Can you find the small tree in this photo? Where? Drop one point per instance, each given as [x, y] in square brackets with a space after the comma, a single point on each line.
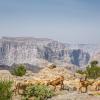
[20, 70]
[92, 70]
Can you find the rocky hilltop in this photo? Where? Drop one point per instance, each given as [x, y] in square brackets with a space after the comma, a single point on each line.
[38, 51]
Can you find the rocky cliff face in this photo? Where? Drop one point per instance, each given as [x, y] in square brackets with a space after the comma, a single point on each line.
[37, 51]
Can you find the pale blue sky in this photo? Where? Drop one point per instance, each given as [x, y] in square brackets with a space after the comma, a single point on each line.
[70, 21]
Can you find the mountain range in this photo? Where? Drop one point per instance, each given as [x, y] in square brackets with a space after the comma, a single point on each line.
[41, 51]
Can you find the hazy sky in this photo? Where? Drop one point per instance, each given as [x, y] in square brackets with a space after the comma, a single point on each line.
[71, 21]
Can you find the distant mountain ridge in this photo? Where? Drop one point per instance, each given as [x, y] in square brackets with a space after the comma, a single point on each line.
[38, 51]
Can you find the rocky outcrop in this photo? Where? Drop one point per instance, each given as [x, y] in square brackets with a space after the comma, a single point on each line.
[39, 51]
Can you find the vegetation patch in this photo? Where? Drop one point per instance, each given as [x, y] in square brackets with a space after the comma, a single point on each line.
[19, 70]
[39, 92]
[92, 70]
[5, 90]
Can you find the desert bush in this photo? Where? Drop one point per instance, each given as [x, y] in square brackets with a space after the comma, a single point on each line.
[20, 70]
[39, 92]
[5, 90]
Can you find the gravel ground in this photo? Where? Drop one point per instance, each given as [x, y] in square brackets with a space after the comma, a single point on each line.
[74, 96]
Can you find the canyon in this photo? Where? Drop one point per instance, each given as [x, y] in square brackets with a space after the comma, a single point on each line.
[40, 51]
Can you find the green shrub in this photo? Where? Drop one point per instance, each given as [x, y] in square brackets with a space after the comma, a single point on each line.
[20, 70]
[5, 90]
[40, 92]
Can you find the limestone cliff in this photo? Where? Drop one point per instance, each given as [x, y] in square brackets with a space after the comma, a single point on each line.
[40, 50]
